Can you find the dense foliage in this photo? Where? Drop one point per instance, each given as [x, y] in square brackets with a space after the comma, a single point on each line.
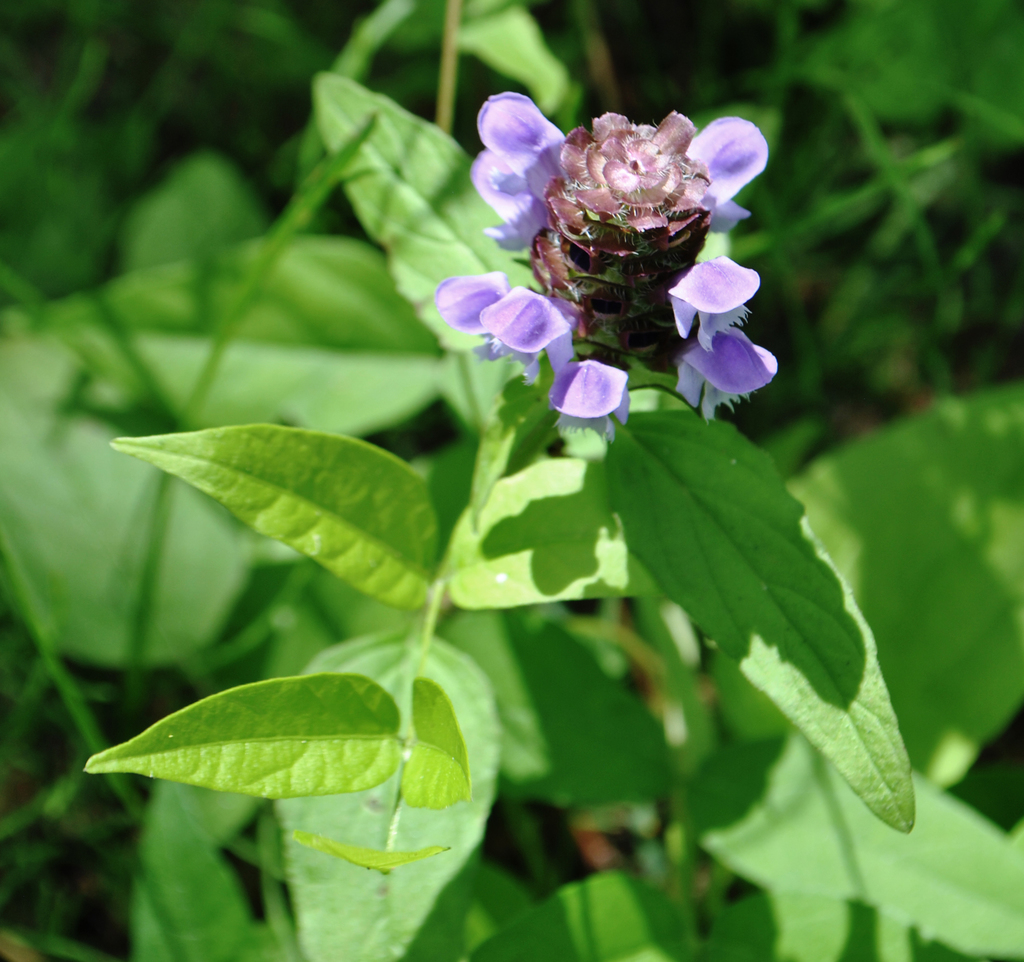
[517, 692]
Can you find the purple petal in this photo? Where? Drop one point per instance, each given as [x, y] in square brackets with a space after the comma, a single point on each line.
[726, 215]
[712, 324]
[735, 152]
[716, 286]
[524, 320]
[690, 383]
[590, 389]
[560, 351]
[684, 313]
[514, 128]
[523, 212]
[461, 299]
[487, 172]
[734, 364]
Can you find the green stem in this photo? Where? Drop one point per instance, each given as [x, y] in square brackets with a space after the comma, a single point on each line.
[43, 634]
[446, 83]
[466, 375]
[135, 688]
[296, 216]
[435, 596]
[431, 610]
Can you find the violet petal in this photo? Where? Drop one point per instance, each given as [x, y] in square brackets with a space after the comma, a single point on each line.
[684, 313]
[524, 320]
[589, 389]
[726, 215]
[513, 127]
[735, 152]
[716, 286]
[734, 364]
[461, 299]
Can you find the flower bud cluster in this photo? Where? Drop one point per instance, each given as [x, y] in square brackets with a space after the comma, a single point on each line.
[615, 219]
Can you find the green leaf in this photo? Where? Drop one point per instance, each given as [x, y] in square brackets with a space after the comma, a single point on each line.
[778, 815]
[709, 517]
[423, 906]
[518, 424]
[545, 534]
[203, 205]
[359, 511]
[512, 43]
[783, 927]
[410, 187]
[341, 393]
[74, 524]
[606, 918]
[571, 735]
[187, 905]
[926, 521]
[382, 862]
[283, 738]
[437, 772]
[498, 898]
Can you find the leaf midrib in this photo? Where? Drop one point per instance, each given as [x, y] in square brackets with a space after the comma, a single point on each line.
[259, 740]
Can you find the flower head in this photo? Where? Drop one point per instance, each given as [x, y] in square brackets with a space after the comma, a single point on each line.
[615, 218]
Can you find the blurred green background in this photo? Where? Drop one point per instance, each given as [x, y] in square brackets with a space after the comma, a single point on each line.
[141, 146]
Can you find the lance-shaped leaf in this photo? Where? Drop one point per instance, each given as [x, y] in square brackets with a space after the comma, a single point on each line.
[284, 738]
[382, 862]
[707, 514]
[437, 772]
[362, 513]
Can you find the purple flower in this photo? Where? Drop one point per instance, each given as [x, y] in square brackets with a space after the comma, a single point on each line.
[586, 393]
[731, 369]
[718, 290]
[735, 152]
[722, 357]
[514, 321]
[522, 155]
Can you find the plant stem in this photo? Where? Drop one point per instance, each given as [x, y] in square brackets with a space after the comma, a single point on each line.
[446, 83]
[44, 634]
[435, 596]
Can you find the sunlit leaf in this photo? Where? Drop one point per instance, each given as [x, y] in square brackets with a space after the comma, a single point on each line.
[712, 521]
[926, 521]
[437, 772]
[511, 42]
[417, 912]
[544, 534]
[76, 526]
[783, 927]
[778, 815]
[354, 508]
[283, 738]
